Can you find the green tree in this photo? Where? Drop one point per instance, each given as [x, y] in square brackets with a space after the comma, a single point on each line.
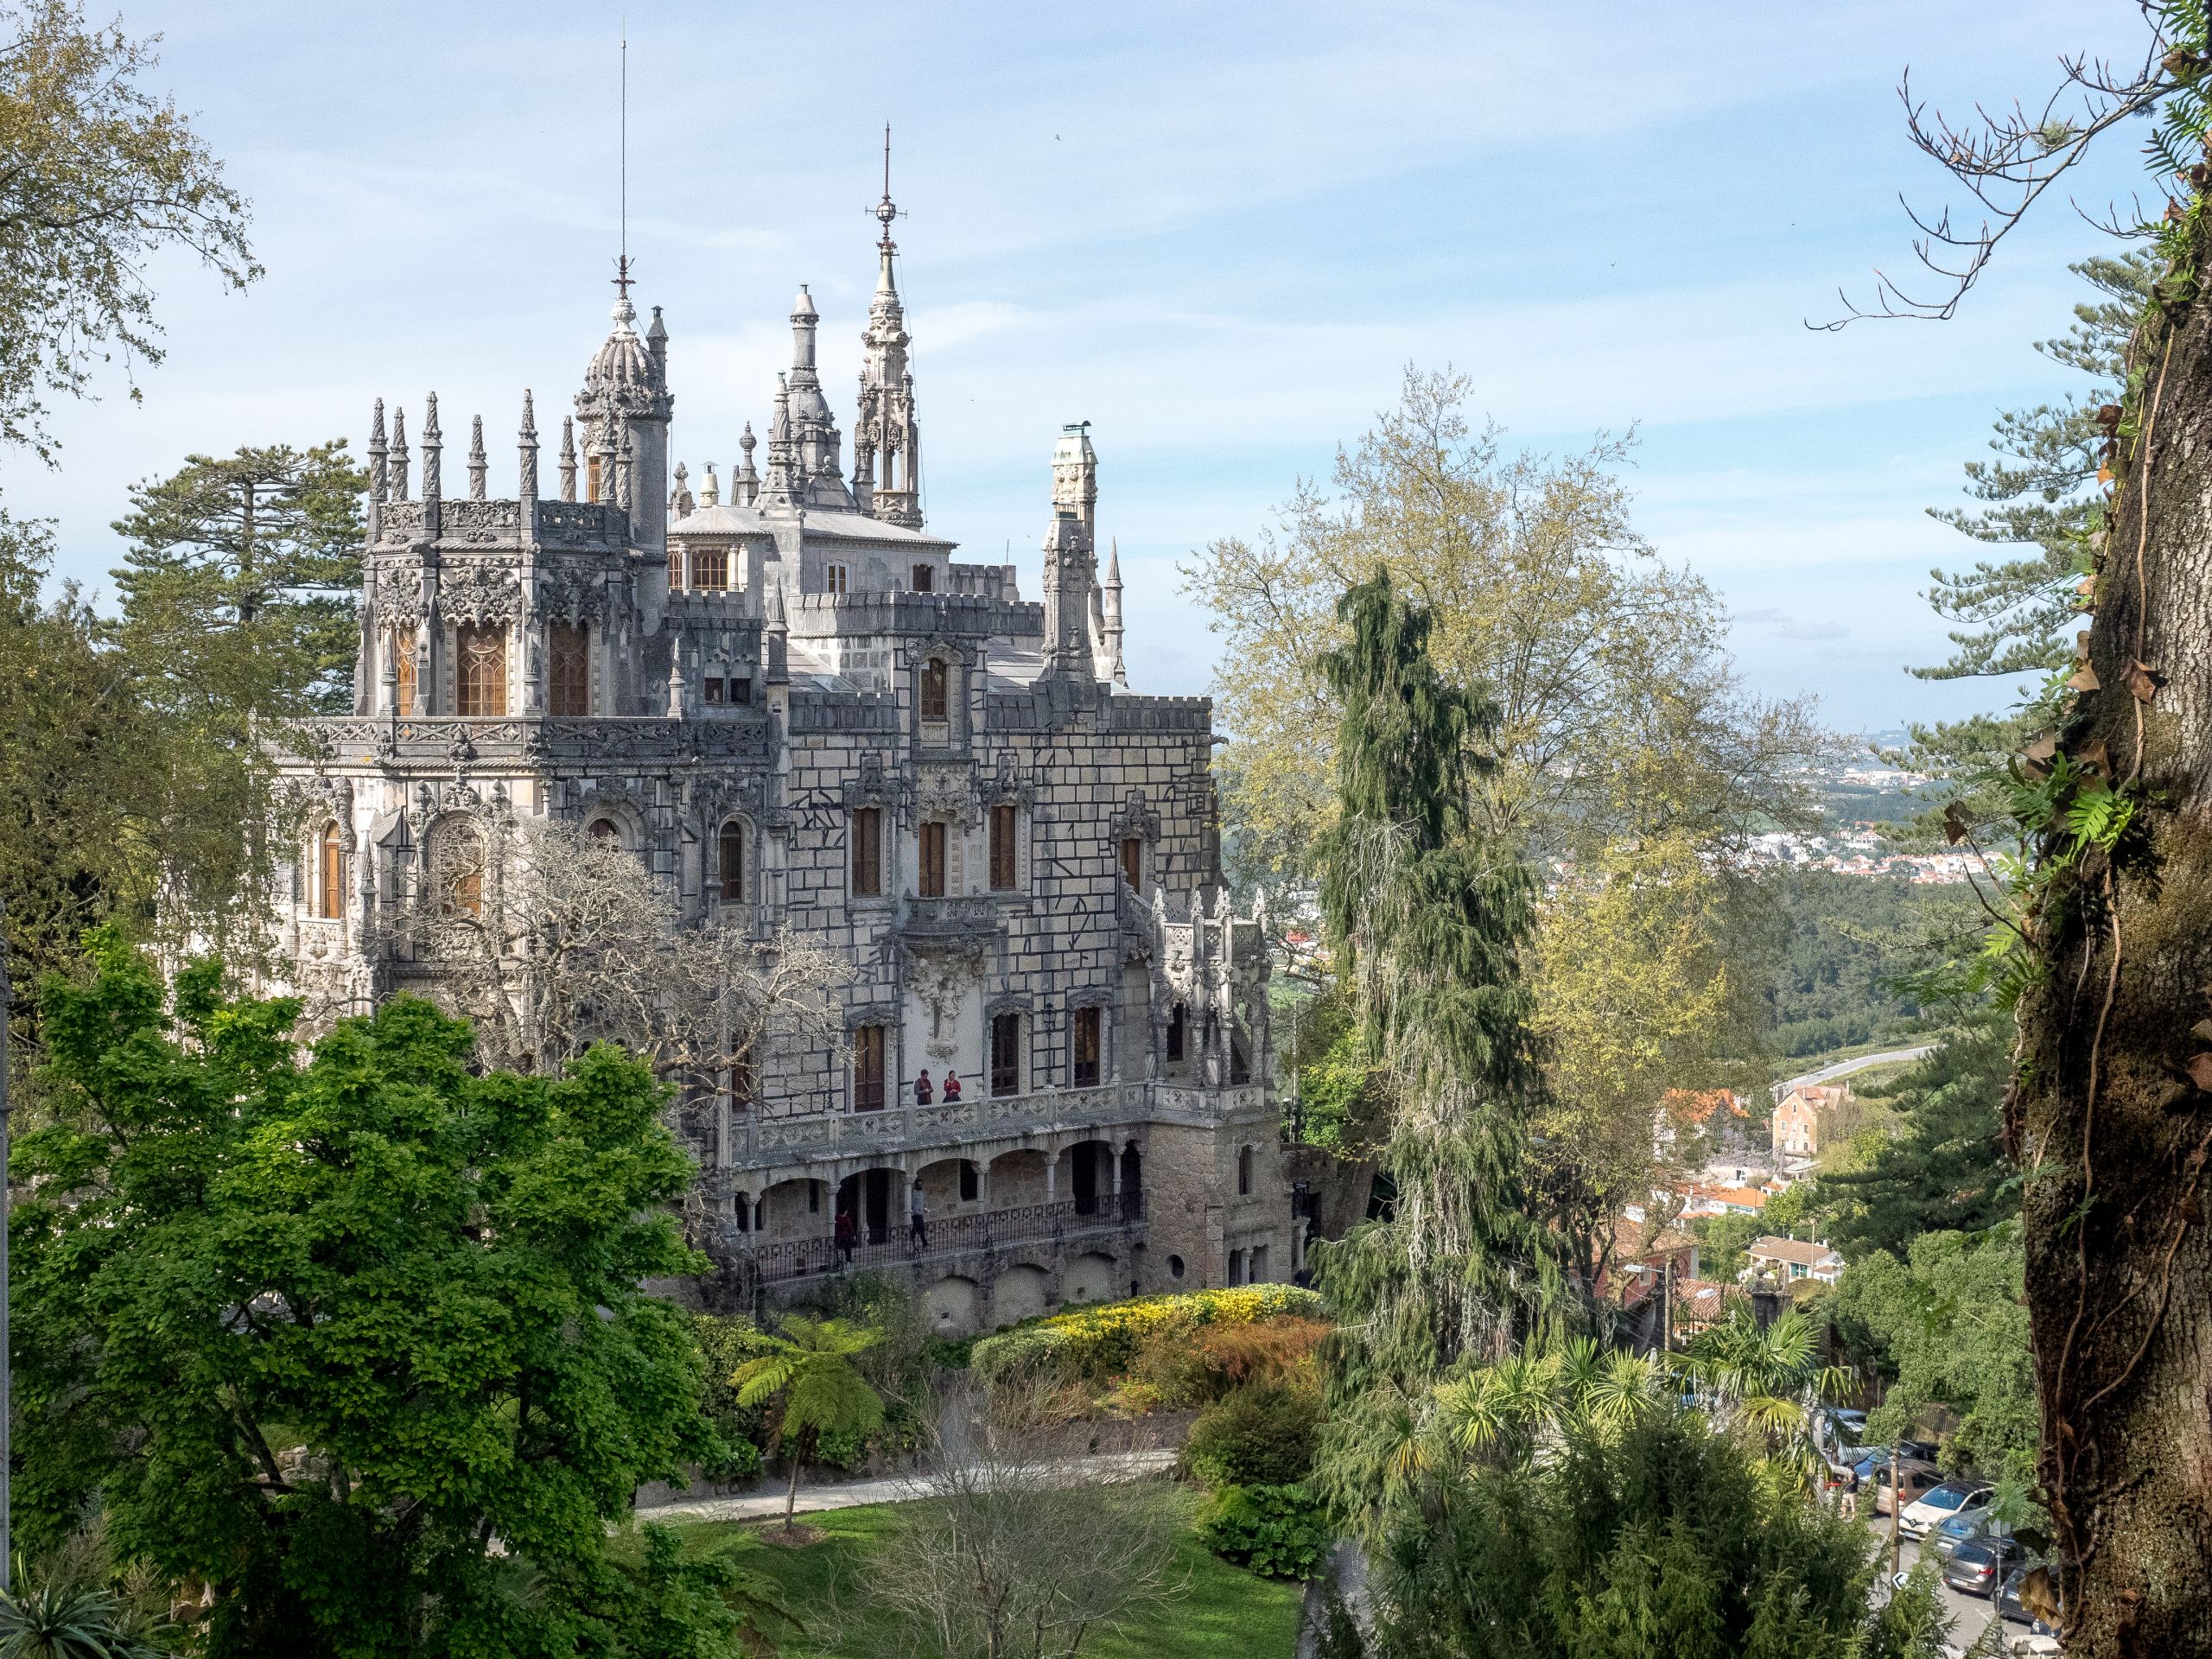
[236, 595]
[1427, 916]
[316, 1334]
[1766, 1380]
[1665, 1538]
[1947, 1325]
[76, 748]
[1945, 1167]
[810, 1371]
[102, 177]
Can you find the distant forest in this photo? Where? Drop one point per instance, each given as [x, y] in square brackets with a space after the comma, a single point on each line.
[1844, 940]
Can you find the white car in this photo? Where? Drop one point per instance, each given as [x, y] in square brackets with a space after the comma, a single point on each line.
[1939, 1503]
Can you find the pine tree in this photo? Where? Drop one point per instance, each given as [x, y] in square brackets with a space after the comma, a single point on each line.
[239, 599]
[1427, 916]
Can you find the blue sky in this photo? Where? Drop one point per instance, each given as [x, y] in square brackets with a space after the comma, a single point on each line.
[1217, 231]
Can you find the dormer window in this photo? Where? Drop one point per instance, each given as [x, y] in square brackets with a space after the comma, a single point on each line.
[924, 578]
[835, 579]
[935, 689]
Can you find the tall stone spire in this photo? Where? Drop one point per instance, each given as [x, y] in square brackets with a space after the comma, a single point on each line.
[526, 451]
[433, 467]
[379, 474]
[477, 463]
[1112, 589]
[781, 488]
[399, 454]
[567, 457]
[885, 438]
[815, 446]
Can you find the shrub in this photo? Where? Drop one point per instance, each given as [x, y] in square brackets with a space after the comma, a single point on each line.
[1261, 1434]
[1279, 1532]
[738, 1464]
[1101, 1341]
[1188, 1364]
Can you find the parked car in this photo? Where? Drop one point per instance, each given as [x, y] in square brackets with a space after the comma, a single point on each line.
[1867, 1458]
[2008, 1600]
[1939, 1503]
[1969, 1525]
[1914, 1476]
[1978, 1569]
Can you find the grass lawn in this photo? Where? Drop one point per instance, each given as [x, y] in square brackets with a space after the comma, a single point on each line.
[1228, 1614]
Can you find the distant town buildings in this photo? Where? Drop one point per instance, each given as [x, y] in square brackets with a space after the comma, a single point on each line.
[1859, 849]
[1790, 1259]
[1797, 1120]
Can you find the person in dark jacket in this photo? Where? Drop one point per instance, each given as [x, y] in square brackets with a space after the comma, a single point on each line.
[847, 1234]
[922, 1090]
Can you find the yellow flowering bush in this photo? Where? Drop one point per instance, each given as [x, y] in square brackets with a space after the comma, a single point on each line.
[1100, 1340]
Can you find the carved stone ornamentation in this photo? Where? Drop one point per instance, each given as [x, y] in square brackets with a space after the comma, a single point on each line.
[480, 593]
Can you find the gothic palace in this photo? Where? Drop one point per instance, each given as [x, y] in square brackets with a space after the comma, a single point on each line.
[788, 696]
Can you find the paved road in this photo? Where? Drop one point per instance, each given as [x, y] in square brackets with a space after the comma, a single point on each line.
[1844, 1068]
[894, 1488]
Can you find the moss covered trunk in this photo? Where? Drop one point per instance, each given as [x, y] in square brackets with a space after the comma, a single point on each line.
[2106, 1117]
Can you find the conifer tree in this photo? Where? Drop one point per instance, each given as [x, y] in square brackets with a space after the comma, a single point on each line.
[1427, 916]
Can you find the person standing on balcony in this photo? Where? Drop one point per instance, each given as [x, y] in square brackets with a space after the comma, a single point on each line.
[847, 1234]
[922, 1090]
[918, 1226]
[951, 1087]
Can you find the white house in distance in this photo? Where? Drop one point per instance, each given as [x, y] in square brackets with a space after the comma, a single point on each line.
[1790, 1259]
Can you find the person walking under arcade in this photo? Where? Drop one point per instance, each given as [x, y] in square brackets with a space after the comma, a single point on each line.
[918, 1226]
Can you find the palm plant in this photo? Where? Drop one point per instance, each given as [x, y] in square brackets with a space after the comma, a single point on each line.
[1511, 1409]
[61, 1615]
[811, 1373]
[1768, 1379]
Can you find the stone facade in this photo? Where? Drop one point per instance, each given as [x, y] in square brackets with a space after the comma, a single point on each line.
[791, 699]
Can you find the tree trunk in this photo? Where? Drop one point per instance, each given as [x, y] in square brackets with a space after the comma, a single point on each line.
[790, 1493]
[2104, 1115]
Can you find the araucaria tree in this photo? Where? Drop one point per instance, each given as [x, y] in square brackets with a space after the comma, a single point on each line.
[357, 1344]
[1427, 915]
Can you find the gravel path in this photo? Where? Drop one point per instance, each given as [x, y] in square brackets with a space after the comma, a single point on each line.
[890, 1489]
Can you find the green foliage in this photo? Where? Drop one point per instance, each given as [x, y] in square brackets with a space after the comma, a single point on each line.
[1945, 1167]
[1427, 916]
[1765, 1381]
[809, 1373]
[77, 750]
[1847, 943]
[102, 177]
[2042, 492]
[1722, 1243]
[70, 1604]
[740, 1432]
[313, 1334]
[1261, 1434]
[1948, 1327]
[1278, 1531]
[1666, 1538]
[698, 1598]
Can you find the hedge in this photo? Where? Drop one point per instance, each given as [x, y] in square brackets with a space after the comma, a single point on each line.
[1100, 1341]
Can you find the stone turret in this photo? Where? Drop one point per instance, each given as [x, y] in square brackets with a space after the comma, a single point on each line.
[624, 407]
[886, 441]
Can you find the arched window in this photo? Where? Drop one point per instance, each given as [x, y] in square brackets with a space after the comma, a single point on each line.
[604, 829]
[480, 670]
[568, 670]
[733, 857]
[401, 646]
[936, 687]
[329, 872]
